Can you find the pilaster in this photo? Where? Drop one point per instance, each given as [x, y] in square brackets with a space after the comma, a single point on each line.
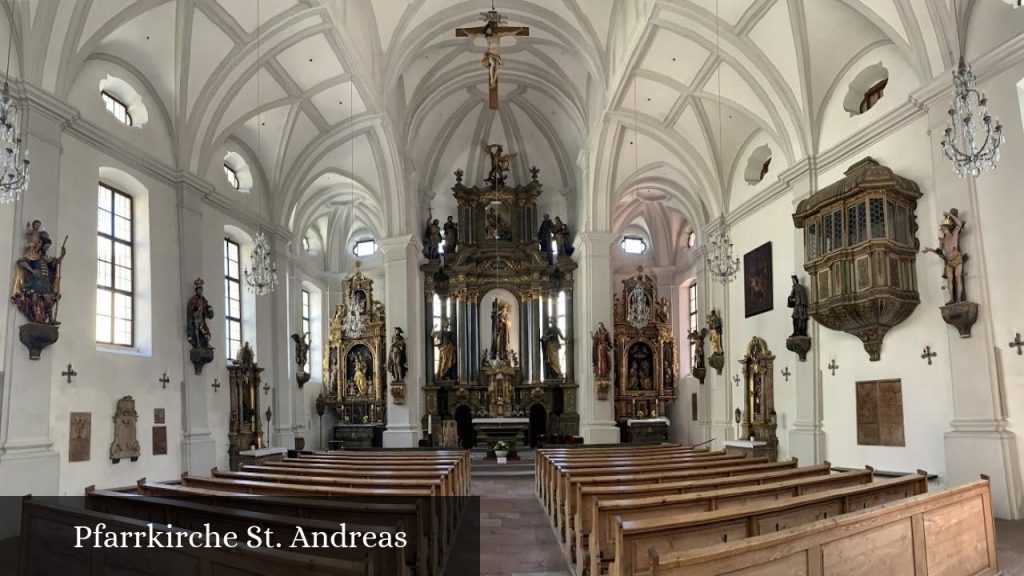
[403, 302]
[592, 252]
[284, 305]
[28, 463]
[198, 447]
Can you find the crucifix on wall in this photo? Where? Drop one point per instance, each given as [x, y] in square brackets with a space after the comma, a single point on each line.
[492, 32]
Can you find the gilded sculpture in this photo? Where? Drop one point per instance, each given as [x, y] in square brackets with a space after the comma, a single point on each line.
[552, 342]
[798, 300]
[36, 289]
[958, 311]
[197, 332]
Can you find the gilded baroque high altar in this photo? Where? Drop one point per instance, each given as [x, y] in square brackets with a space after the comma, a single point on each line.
[647, 361]
[355, 360]
[499, 305]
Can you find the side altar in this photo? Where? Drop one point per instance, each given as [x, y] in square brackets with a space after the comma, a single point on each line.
[499, 304]
[647, 361]
[355, 361]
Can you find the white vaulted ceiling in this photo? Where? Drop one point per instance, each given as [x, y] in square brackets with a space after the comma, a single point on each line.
[616, 101]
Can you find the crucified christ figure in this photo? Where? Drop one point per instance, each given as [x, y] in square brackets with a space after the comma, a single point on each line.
[492, 32]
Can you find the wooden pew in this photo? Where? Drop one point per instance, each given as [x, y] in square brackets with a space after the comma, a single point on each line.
[460, 459]
[946, 532]
[608, 512]
[193, 516]
[546, 461]
[587, 497]
[411, 517]
[635, 538]
[562, 468]
[546, 457]
[740, 467]
[427, 497]
[440, 487]
[446, 472]
[48, 537]
[562, 478]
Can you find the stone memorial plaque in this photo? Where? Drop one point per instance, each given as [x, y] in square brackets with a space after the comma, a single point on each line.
[880, 413]
[159, 440]
[159, 417]
[693, 406]
[80, 441]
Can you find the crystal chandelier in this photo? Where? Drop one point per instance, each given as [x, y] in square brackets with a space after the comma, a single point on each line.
[262, 279]
[718, 252]
[14, 173]
[971, 151]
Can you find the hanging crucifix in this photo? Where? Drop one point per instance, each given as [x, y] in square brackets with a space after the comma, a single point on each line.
[492, 32]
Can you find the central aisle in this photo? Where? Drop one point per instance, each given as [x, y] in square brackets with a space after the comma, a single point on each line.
[516, 537]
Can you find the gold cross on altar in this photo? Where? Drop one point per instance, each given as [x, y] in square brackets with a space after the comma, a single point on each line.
[492, 31]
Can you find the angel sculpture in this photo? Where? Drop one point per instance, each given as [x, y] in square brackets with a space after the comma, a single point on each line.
[500, 164]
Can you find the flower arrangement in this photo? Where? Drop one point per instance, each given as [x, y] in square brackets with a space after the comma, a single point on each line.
[501, 446]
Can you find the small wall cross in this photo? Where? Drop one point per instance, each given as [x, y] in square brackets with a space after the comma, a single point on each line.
[928, 354]
[215, 385]
[266, 387]
[69, 373]
[164, 380]
[736, 379]
[833, 366]
[1017, 343]
[786, 373]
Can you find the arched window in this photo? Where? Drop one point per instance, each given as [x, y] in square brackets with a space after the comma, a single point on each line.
[691, 292]
[232, 297]
[116, 107]
[633, 245]
[866, 89]
[115, 268]
[757, 165]
[365, 248]
[305, 244]
[873, 95]
[691, 239]
[232, 176]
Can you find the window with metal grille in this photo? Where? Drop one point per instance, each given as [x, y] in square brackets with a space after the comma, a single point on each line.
[232, 297]
[117, 108]
[115, 268]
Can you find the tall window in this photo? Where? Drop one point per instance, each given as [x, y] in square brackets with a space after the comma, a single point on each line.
[115, 286]
[306, 324]
[232, 297]
[692, 293]
[117, 108]
[436, 326]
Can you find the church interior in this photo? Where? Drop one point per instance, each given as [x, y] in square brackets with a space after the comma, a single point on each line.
[625, 286]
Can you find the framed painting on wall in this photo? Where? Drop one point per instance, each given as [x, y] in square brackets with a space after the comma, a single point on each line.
[757, 280]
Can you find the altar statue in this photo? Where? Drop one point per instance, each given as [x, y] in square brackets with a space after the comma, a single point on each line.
[602, 352]
[552, 341]
[501, 330]
[444, 339]
[431, 239]
[362, 387]
[451, 236]
[560, 230]
[544, 236]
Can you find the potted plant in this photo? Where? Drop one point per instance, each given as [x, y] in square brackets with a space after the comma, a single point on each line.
[501, 449]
